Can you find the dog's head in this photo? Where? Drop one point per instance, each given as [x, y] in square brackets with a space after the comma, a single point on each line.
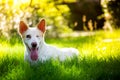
[32, 37]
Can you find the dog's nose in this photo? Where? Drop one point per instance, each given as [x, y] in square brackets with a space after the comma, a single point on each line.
[34, 44]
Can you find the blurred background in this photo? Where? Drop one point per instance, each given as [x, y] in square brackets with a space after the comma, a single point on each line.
[62, 16]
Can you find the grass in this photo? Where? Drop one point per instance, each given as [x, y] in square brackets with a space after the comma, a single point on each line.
[99, 59]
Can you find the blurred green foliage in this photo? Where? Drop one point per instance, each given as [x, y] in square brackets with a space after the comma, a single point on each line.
[114, 9]
[111, 10]
[31, 11]
[61, 15]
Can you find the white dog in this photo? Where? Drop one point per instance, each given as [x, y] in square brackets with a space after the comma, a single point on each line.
[37, 49]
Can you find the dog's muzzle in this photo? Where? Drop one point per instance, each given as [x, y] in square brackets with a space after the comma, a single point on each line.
[34, 44]
[33, 51]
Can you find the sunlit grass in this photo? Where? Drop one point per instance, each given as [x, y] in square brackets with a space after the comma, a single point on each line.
[99, 59]
[6, 49]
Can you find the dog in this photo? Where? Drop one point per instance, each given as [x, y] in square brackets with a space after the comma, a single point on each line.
[36, 48]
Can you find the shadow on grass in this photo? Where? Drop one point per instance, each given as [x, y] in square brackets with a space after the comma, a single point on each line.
[12, 68]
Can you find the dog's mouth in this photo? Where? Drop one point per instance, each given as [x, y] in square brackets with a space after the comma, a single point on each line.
[34, 54]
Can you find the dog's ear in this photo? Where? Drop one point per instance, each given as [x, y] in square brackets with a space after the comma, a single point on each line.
[22, 27]
[41, 25]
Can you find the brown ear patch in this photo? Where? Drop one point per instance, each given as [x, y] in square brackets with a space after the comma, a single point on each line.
[41, 25]
[22, 27]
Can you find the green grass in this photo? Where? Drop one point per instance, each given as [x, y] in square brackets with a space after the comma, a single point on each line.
[99, 59]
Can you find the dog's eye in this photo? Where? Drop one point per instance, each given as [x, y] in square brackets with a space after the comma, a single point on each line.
[37, 36]
[28, 36]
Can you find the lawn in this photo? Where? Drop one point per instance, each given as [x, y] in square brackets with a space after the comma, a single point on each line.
[99, 59]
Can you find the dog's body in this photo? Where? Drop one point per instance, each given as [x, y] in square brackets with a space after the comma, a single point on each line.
[37, 49]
